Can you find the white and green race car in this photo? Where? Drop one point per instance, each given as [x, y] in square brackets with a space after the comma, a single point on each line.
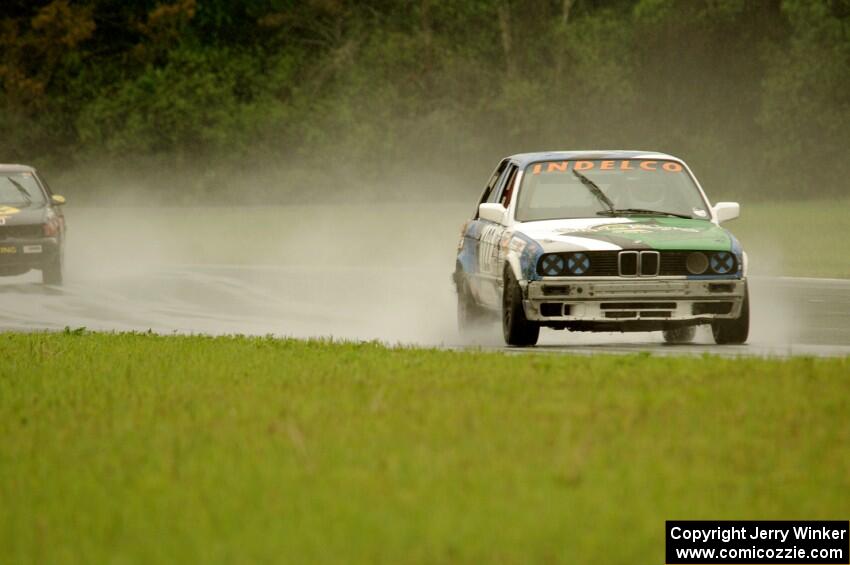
[601, 241]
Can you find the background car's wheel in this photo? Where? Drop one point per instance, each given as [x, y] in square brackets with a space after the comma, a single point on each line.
[735, 330]
[470, 316]
[516, 327]
[52, 271]
[681, 334]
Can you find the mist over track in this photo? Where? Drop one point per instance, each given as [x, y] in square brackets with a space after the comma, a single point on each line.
[356, 273]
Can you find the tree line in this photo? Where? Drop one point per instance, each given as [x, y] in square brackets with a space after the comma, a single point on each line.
[755, 94]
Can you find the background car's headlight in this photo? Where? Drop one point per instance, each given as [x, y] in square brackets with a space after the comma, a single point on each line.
[51, 227]
[697, 263]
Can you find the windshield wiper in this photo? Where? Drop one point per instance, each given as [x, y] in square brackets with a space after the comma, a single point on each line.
[642, 211]
[597, 192]
[24, 192]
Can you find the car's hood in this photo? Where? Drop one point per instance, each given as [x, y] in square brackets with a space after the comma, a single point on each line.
[600, 234]
[16, 216]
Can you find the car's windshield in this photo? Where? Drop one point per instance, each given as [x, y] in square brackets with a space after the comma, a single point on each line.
[551, 190]
[20, 189]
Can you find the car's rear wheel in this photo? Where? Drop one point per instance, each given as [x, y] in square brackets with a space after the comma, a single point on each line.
[518, 330]
[735, 330]
[679, 335]
[52, 272]
[470, 316]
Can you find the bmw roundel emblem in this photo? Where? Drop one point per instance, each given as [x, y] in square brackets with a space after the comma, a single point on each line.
[552, 265]
[722, 263]
[578, 264]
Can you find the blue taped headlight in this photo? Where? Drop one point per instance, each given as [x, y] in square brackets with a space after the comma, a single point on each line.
[552, 265]
[578, 263]
[722, 262]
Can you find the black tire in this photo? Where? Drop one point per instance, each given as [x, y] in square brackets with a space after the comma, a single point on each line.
[736, 330]
[470, 316]
[680, 334]
[517, 329]
[52, 272]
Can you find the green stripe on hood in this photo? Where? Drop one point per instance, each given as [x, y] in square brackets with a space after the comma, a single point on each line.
[662, 234]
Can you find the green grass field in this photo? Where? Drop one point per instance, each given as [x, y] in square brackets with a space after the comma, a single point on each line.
[147, 449]
[804, 239]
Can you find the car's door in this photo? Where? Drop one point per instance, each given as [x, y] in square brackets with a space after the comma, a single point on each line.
[501, 249]
[472, 253]
[489, 248]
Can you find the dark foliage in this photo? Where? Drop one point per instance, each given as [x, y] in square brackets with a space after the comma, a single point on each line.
[755, 94]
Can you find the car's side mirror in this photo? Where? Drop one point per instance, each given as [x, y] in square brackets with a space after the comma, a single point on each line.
[493, 212]
[57, 200]
[725, 211]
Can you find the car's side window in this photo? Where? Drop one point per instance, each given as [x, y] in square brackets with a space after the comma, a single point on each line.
[497, 196]
[44, 184]
[508, 191]
[496, 193]
[492, 185]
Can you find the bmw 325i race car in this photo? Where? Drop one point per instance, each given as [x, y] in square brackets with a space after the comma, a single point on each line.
[32, 226]
[601, 241]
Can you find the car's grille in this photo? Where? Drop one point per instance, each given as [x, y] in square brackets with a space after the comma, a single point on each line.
[603, 264]
[673, 263]
[608, 264]
[27, 231]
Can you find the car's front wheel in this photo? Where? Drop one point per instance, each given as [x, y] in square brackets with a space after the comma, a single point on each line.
[736, 330]
[518, 330]
[52, 272]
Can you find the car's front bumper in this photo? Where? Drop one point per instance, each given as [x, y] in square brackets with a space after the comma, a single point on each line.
[18, 255]
[639, 302]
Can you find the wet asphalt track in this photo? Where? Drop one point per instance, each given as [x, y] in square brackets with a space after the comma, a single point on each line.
[791, 316]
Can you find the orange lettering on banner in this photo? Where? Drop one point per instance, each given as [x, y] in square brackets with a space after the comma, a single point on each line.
[625, 165]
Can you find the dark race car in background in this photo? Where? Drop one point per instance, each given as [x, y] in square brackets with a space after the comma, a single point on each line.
[601, 241]
[32, 226]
